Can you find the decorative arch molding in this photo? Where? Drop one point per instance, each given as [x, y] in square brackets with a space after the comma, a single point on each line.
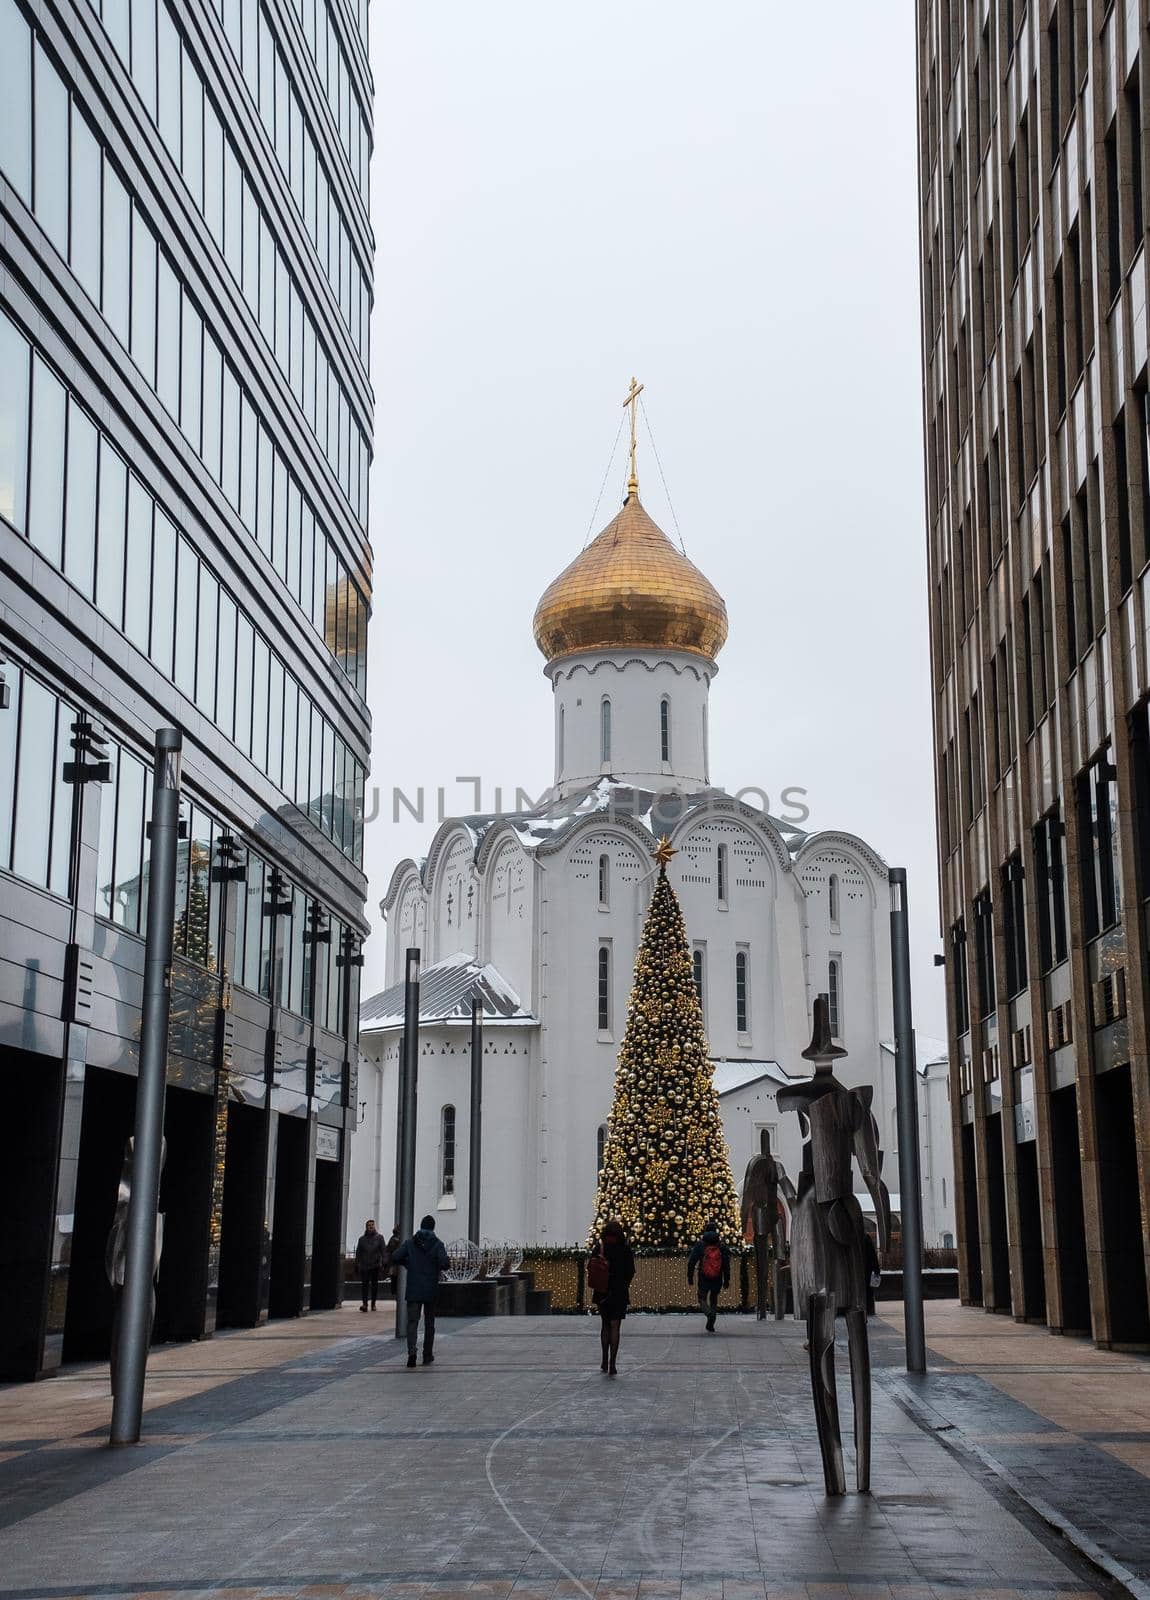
[757, 823]
[407, 870]
[587, 842]
[849, 844]
[445, 836]
[506, 877]
[500, 833]
[684, 667]
[624, 829]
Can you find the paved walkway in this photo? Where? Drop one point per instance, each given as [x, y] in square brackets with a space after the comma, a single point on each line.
[305, 1459]
[1065, 1425]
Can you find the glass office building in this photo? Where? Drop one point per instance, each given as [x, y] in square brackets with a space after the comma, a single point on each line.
[1033, 165]
[185, 440]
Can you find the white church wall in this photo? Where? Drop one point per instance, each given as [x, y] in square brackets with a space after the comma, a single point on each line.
[578, 1058]
[634, 684]
[371, 1181]
[453, 897]
[407, 926]
[741, 920]
[445, 1080]
[508, 933]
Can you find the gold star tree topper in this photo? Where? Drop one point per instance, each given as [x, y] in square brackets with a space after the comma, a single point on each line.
[664, 850]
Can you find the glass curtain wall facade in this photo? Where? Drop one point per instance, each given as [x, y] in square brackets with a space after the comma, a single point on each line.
[185, 441]
[1032, 166]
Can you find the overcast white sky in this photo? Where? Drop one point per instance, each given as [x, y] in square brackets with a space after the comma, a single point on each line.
[720, 199]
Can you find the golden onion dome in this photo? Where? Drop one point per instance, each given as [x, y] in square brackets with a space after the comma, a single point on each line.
[631, 589]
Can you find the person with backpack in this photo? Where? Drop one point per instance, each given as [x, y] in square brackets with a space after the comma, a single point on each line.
[713, 1260]
[610, 1268]
[425, 1258]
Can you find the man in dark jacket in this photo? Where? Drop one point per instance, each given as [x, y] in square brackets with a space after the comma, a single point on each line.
[370, 1261]
[425, 1258]
[713, 1260]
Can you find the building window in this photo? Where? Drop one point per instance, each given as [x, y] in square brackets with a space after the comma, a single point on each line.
[1098, 847]
[604, 881]
[1013, 901]
[664, 729]
[961, 987]
[984, 953]
[561, 742]
[833, 899]
[604, 995]
[697, 967]
[600, 1146]
[447, 1150]
[605, 732]
[721, 872]
[1050, 890]
[835, 997]
[741, 991]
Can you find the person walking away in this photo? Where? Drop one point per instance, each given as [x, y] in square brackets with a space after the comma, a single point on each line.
[370, 1260]
[610, 1268]
[425, 1258]
[712, 1258]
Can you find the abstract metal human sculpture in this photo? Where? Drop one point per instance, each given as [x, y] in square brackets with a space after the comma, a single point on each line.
[828, 1259]
[765, 1177]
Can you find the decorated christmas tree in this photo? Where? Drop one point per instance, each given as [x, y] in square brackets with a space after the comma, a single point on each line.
[666, 1170]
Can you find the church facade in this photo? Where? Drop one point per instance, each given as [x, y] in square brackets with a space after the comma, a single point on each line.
[539, 914]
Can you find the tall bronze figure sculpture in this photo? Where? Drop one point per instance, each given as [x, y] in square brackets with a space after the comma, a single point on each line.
[764, 1180]
[828, 1258]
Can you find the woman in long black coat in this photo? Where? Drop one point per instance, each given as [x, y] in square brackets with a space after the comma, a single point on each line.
[613, 1301]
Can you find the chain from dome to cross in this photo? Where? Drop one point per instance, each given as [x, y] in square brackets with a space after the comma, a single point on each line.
[631, 588]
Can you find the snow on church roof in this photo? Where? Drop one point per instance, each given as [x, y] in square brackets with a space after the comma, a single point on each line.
[660, 812]
[446, 992]
[732, 1075]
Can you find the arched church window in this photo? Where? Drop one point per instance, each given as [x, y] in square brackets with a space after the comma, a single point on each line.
[697, 967]
[664, 729]
[604, 880]
[600, 1146]
[834, 996]
[833, 897]
[447, 1150]
[605, 731]
[561, 742]
[721, 872]
[604, 991]
[741, 1012]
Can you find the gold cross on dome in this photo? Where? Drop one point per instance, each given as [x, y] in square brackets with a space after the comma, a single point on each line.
[632, 400]
[664, 850]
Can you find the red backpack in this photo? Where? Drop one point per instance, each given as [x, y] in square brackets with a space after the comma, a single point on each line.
[599, 1272]
[711, 1265]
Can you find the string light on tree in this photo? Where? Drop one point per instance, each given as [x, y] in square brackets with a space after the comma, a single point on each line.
[666, 1170]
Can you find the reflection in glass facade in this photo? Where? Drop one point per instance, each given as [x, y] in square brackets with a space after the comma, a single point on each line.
[185, 443]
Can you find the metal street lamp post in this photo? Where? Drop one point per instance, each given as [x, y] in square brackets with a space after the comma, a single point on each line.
[140, 1241]
[906, 1094]
[408, 1095]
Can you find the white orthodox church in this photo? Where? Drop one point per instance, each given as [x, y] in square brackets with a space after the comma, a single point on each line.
[540, 913]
